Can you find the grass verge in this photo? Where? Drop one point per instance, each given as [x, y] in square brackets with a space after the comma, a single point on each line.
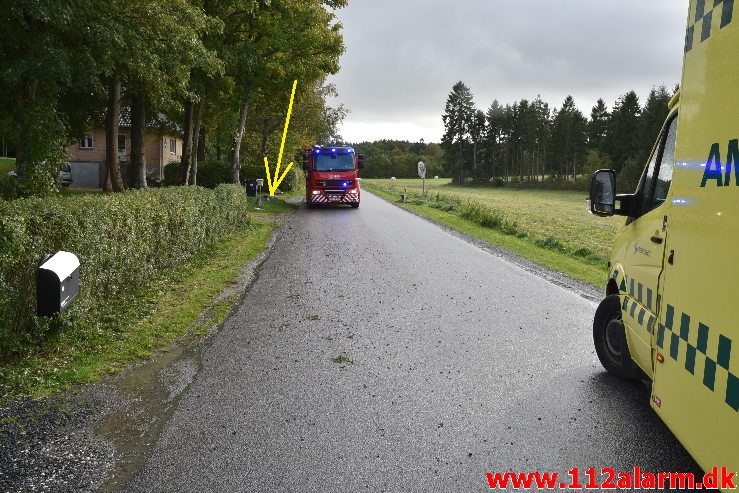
[271, 207]
[148, 320]
[7, 164]
[484, 224]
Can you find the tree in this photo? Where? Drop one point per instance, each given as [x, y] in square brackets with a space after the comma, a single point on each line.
[493, 136]
[595, 160]
[400, 158]
[600, 118]
[652, 118]
[459, 114]
[623, 141]
[44, 57]
[542, 130]
[114, 181]
[267, 45]
[568, 138]
[149, 48]
[477, 134]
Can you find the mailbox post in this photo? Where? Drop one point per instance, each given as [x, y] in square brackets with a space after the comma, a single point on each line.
[57, 283]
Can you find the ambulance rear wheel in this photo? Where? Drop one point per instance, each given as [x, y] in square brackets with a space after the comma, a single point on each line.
[610, 340]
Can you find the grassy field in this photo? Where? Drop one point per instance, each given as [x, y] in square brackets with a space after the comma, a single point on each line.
[6, 164]
[540, 219]
[148, 321]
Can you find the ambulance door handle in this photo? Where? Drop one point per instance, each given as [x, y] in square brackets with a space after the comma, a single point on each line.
[657, 240]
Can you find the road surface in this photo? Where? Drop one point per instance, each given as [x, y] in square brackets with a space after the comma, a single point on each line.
[378, 352]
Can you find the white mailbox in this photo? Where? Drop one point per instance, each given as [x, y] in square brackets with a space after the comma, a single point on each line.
[57, 283]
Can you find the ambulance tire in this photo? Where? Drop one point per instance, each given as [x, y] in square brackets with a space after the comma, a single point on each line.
[610, 341]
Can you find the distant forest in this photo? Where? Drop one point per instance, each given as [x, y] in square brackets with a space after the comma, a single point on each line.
[388, 158]
[529, 144]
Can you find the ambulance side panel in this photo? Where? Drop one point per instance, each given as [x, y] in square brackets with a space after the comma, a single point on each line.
[696, 389]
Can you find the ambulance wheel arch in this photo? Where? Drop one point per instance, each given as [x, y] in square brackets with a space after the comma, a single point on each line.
[609, 337]
[611, 287]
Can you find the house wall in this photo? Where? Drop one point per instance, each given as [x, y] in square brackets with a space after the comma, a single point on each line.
[97, 153]
[88, 163]
[161, 146]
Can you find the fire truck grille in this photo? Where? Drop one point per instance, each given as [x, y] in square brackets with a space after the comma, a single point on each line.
[351, 197]
[335, 183]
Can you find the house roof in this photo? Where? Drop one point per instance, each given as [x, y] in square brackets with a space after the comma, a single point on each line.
[160, 122]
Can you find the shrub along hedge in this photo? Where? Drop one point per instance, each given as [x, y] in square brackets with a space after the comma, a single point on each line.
[122, 240]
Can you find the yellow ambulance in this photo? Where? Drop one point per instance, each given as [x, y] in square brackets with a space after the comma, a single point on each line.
[671, 311]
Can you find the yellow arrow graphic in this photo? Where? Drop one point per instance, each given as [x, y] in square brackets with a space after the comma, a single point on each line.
[278, 179]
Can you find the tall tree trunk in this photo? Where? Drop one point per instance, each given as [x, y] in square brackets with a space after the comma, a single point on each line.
[265, 141]
[23, 146]
[494, 162]
[196, 143]
[186, 162]
[474, 158]
[138, 138]
[461, 160]
[111, 134]
[236, 146]
[201, 144]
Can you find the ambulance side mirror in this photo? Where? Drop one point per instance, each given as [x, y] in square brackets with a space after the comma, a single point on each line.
[602, 201]
[57, 283]
[360, 161]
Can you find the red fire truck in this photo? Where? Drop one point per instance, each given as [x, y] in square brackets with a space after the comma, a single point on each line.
[331, 176]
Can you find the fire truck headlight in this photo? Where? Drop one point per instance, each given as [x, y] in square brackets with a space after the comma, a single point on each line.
[316, 192]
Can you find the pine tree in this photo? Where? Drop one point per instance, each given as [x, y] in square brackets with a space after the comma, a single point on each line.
[459, 114]
[568, 138]
[623, 141]
[494, 137]
[652, 118]
[600, 118]
[477, 133]
[542, 127]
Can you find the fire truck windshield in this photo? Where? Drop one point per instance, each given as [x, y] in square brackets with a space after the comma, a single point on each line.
[333, 162]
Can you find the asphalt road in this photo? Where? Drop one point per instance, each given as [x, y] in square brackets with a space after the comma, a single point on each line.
[460, 362]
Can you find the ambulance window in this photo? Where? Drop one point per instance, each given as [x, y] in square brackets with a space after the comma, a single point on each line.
[654, 188]
[647, 185]
[664, 177]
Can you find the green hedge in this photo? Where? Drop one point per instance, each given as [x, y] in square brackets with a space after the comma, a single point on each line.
[123, 241]
[212, 173]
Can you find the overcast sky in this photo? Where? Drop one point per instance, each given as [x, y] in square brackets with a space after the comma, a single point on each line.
[404, 56]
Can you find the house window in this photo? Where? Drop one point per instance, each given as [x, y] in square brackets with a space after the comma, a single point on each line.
[172, 146]
[122, 148]
[86, 142]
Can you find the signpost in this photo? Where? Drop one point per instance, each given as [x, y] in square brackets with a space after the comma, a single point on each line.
[422, 175]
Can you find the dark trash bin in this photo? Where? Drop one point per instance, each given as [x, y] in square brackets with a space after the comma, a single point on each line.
[251, 187]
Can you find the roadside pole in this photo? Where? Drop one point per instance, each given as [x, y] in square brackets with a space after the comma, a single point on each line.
[422, 175]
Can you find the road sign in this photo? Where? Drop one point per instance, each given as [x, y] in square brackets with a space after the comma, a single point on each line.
[422, 174]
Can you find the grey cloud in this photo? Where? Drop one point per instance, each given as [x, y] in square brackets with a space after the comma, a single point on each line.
[403, 56]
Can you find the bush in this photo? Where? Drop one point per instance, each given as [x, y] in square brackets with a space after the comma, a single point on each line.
[123, 241]
[628, 178]
[214, 173]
